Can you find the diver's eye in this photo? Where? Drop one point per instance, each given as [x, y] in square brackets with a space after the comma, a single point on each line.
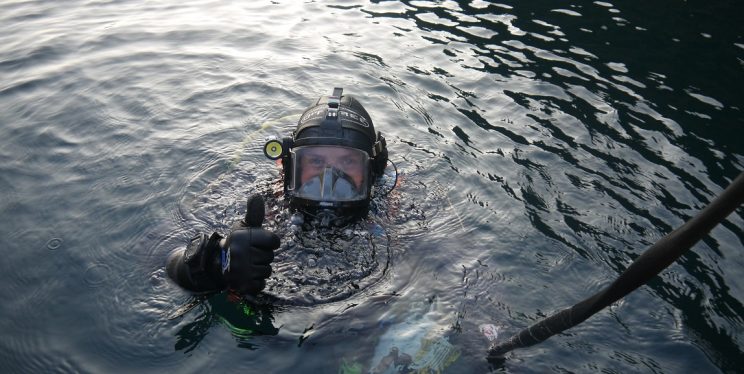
[349, 161]
[316, 161]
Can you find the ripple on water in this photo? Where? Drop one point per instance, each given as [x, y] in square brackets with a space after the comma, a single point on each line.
[544, 148]
[40, 333]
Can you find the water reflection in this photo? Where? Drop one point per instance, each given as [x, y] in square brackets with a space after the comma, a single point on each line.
[578, 125]
[544, 146]
[244, 322]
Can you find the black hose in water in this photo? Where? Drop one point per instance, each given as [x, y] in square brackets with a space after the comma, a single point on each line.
[648, 265]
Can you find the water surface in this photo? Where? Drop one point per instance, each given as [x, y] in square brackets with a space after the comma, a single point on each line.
[541, 146]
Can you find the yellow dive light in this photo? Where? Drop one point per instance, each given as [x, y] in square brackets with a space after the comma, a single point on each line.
[273, 149]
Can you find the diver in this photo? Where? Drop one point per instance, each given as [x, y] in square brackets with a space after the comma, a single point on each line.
[329, 167]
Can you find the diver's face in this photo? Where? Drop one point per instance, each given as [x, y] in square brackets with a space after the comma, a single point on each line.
[315, 160]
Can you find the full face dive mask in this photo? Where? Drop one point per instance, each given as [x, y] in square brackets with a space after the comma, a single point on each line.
[332, 159]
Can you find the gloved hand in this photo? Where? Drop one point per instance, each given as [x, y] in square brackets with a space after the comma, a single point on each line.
[242, 263]
[197, 267]
[246, 259]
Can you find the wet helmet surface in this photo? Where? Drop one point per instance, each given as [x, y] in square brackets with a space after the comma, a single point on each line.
[333, 159]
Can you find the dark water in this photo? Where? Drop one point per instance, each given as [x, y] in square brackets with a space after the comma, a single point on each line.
[542, 147]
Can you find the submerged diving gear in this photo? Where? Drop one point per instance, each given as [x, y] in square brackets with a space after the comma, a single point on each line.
[242, 263]
[332, 159]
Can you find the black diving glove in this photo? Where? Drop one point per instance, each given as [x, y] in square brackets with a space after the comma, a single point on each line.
[249, 250]
[246, 260]
[197, 268]
[242, 263]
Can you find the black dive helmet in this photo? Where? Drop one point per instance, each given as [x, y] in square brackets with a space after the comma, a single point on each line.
[332, 160]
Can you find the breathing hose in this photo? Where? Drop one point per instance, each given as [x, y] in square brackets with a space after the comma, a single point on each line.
[648, 265]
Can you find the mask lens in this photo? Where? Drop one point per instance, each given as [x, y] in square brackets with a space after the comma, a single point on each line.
[343, 189]
[329, 173]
